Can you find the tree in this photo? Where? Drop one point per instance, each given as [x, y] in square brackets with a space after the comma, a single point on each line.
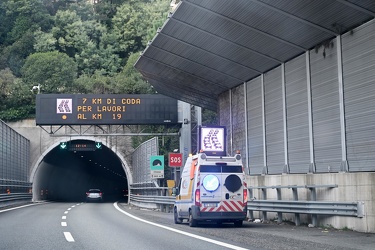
[5, 23]
[158, 12]
[96, 83]
[69, 32]
[27, 15]
[130, 81]
[54, 71]
[74, 47]
[22, 18]
[130, 27]
[98, 54]
[209, 117]
[6, 80]
[88, 42]
[17, 101]
[14, 56]
[44, 42]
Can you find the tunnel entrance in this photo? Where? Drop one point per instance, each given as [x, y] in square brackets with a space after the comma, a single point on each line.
[66, 175]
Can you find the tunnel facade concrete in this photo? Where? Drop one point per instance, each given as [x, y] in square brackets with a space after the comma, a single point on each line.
[65, 175]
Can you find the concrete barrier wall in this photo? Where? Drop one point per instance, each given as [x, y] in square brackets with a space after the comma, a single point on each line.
[352, 187]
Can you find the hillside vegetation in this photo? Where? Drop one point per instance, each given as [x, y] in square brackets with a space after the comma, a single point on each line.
[72, 46]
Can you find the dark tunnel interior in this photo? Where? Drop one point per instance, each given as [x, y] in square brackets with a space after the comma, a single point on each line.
[66, 175]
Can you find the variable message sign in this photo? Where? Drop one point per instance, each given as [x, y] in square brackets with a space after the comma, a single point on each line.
[90, 109]
[212, 140]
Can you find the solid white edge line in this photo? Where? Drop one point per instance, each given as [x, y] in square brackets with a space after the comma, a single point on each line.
[14, 208]
[179, 231]
[68, 237]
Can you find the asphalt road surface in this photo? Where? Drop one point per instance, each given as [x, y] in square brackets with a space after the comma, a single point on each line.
[121, 226]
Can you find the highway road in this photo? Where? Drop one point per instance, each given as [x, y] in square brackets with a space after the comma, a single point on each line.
[121, 226]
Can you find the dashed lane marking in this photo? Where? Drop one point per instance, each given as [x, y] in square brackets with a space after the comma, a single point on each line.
[68, 237]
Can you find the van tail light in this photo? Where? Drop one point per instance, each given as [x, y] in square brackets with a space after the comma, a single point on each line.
[245, 196]
[198, 197]
[87, 193]
[100, 193]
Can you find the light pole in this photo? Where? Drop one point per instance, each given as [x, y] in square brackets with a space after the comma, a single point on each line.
[175, 169]
[36, 88]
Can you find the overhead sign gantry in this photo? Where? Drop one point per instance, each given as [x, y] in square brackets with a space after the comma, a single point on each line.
[107, 109]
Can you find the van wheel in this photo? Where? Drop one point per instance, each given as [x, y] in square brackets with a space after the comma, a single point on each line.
[192, 222]
[176, 219]
[238, 223]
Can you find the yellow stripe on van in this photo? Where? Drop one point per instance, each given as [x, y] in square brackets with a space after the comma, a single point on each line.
[188, 195]
[192, 168]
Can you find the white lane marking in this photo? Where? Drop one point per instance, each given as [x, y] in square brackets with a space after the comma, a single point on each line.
[69, 208]
[73, 205]
[14, 208]
[68, 237]
[66, 212]
[63, 218]
[63, 224]
[180, 232]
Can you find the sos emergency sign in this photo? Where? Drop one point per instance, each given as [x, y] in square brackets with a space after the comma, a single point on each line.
[175, 159]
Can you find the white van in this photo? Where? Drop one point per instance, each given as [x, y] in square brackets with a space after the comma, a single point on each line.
[212, 188]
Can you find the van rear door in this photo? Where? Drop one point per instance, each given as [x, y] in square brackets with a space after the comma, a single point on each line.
[221, 188]
[210, 188]
[232, 190]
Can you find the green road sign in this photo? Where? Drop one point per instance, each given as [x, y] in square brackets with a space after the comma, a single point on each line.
[157, 166]
[98, 145]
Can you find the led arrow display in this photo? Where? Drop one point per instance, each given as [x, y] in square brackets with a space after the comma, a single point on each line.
[63, 145]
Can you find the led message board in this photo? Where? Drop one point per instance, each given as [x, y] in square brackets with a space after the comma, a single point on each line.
[212, 140]
[111, 109]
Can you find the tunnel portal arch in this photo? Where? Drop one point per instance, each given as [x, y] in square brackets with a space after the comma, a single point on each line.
[42, 169]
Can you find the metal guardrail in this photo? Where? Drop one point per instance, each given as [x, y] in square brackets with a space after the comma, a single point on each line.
[12, 191]
[164, 202]
[312, 207]
[308, 207]
[279, 206]
[15, 196]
